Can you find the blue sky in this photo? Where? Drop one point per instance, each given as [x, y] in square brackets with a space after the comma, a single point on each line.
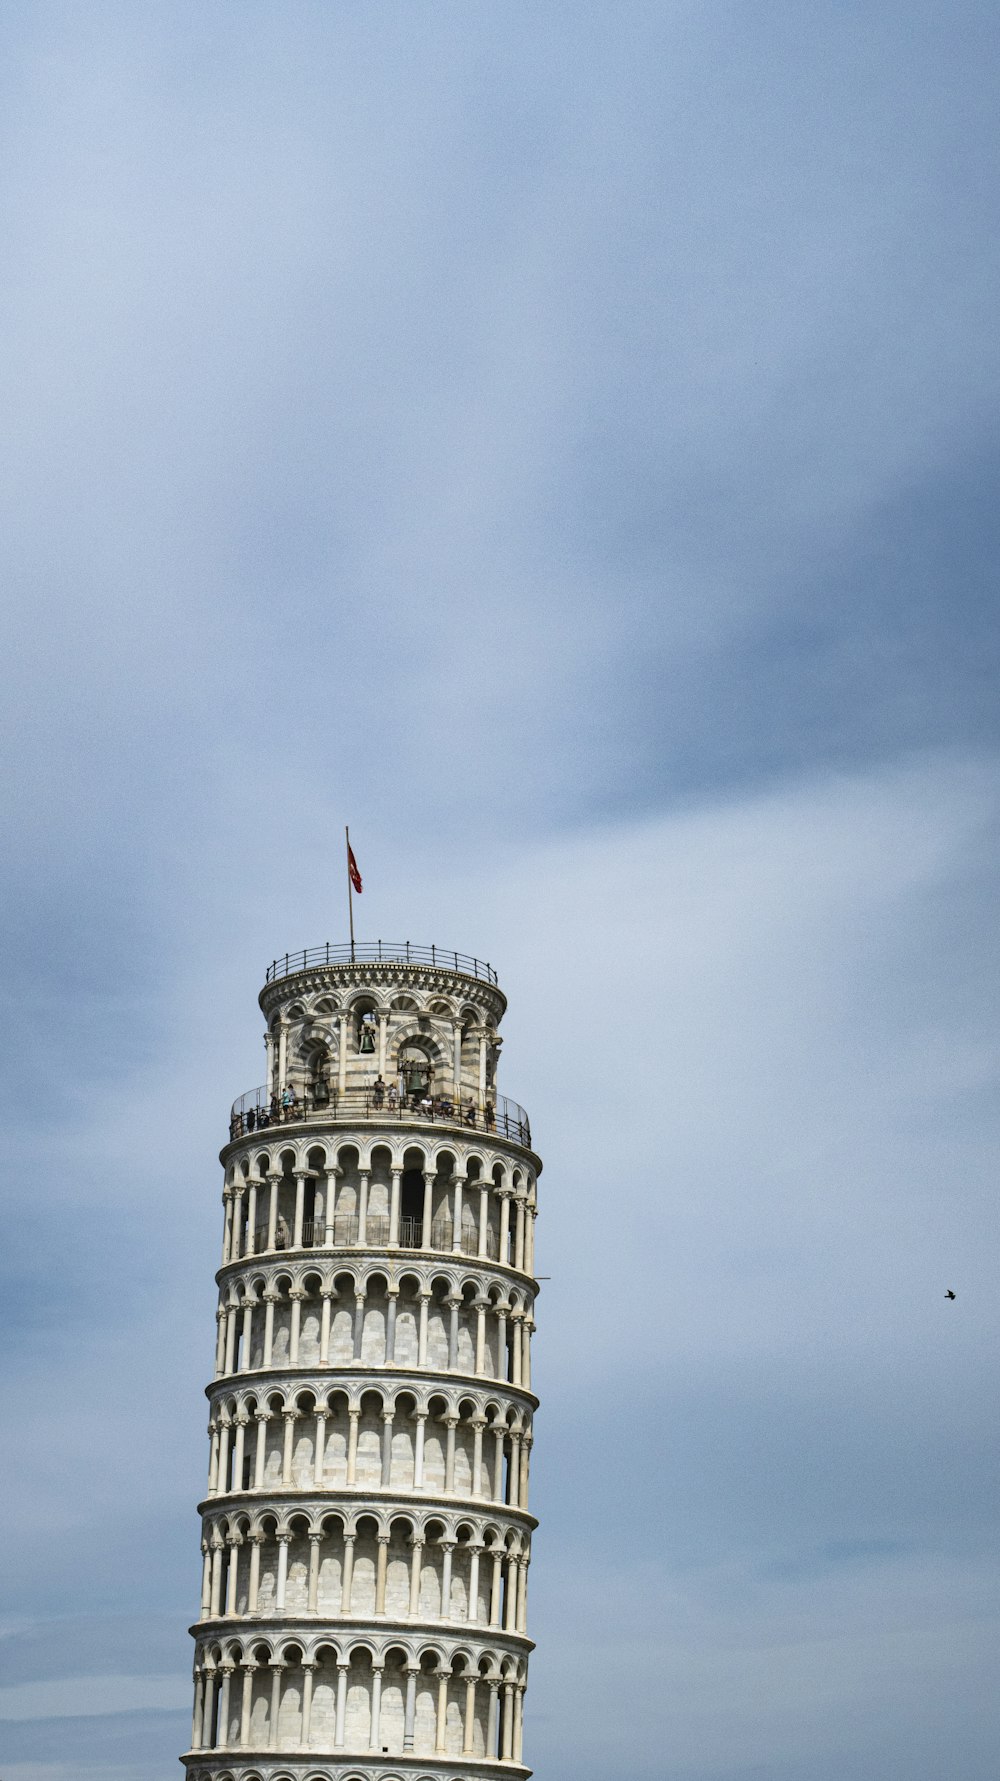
[561, 441]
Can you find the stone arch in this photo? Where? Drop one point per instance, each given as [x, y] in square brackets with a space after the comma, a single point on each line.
[395, 1659]
[402, 1447]
[417, 1041]
[402, 1529]
[380, 1167]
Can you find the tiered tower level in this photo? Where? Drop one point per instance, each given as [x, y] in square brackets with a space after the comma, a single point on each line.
[366, 1532]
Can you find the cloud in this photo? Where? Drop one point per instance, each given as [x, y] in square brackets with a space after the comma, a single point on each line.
[601, 390]
[74, 1696]
[564, 446]
[750, 1037]
[120, 1745]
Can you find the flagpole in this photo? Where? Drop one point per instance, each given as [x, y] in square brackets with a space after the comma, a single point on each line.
[350, 897]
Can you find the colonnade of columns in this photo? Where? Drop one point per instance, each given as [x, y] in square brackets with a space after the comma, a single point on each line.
[513, 1242]
[490, 1727]
[495, 1592]
[490, 1480]
[243, 1347]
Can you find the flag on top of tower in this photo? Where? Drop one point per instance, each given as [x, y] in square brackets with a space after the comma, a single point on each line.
[352, 867]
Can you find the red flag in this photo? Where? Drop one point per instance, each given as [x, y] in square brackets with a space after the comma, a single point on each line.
[352, 867]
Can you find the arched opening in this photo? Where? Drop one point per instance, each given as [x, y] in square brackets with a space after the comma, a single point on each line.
[359, 1700]
[290, 1699]
[226, 1476]
[399, 1566]
[317, 1195]
[392, 1720]
[345, 1222]
[245, 1481]
[425, 1718]
[365, 1028]
[411, 1209]
[213, 1716]
[324, 1701]
[416, 1073]
[319, 1076]
[403, 1457]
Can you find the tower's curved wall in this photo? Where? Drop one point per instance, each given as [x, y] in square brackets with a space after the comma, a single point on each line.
[366, 1532]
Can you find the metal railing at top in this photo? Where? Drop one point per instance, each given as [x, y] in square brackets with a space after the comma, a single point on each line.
[259, 1111]
[384, 952]
[344, 1232]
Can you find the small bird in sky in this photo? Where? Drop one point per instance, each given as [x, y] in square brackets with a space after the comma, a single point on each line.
[949, 1294]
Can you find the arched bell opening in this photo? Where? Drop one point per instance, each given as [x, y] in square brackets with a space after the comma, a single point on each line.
[416, 1074]
[365, 1021]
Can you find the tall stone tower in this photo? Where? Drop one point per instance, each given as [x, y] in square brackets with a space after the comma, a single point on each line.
[366, 1531]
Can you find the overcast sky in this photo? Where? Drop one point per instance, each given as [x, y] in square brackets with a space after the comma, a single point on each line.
[560, 440]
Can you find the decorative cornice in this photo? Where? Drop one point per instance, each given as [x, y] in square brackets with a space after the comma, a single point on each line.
[393, 1263]
[453, 1136]
[356, 1380]
[359, 1501]
[262, 1765]
[386, 973]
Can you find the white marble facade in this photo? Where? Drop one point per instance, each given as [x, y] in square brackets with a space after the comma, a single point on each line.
[366, 1532]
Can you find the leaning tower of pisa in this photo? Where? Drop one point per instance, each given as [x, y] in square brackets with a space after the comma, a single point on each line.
[366, 1531]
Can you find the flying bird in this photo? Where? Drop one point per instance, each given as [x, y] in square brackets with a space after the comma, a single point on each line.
[949, 1294]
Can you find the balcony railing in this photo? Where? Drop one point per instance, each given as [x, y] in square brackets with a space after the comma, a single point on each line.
[384, 952]
[344, 1232]
[258, 1110]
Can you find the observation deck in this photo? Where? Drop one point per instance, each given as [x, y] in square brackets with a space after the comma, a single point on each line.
[380, 952]
[260, 1110]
